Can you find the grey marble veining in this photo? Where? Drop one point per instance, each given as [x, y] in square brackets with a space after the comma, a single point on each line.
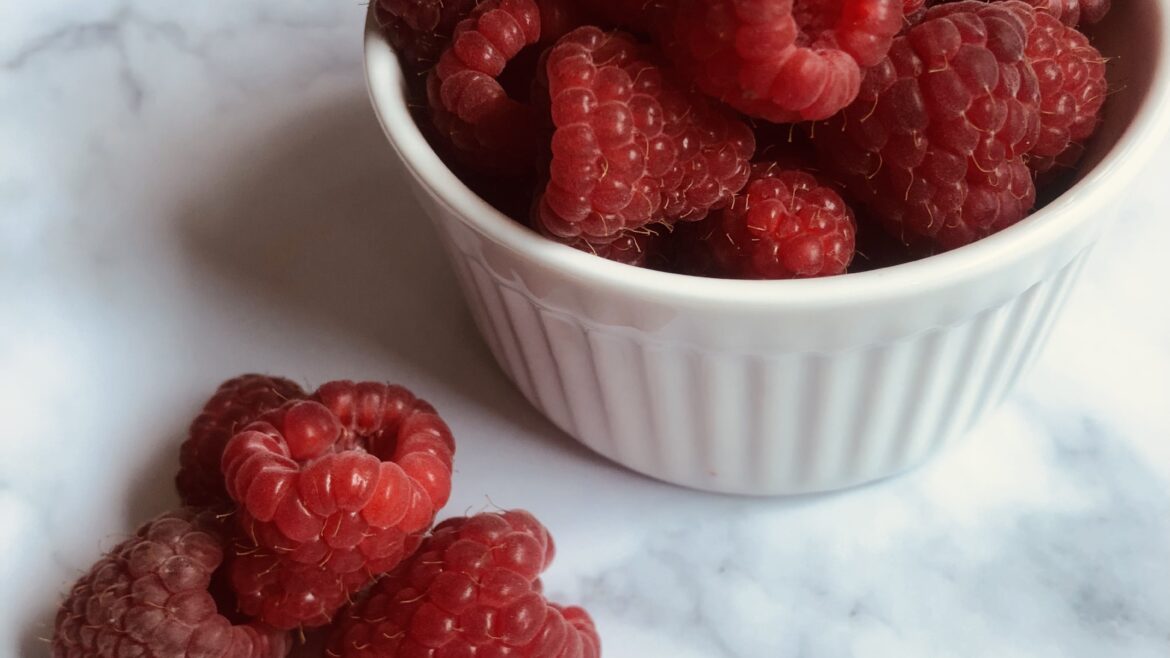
[192, 190]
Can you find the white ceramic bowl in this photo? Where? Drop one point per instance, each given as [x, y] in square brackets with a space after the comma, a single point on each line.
[769, 387]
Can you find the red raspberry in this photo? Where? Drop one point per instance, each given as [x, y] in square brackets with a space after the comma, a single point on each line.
[236, 403]
[784, 225]
[489, 130]
[420, 29]
[332, 492]
[1071, 73]
[149, 597]
[471, 590]
[934, 145]
[630, 148]
[780, 60]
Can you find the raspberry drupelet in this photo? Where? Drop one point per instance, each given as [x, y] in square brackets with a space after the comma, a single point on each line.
[784, 225]
[236, 402]
[630, 147]
[149, 596]
[332, 491]
[935, 144]
[471, 590]
[780, 60]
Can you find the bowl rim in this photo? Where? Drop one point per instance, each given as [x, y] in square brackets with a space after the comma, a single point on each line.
[1014, 245]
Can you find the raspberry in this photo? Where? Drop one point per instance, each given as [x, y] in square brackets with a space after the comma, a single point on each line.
[149, 596]
[1071, 73]
[780, 60]
[630, 148]
[784, 225]
[934, 145]
[489, 130]
[471, 590]
[332, 491]
[236, 403]
[420, 29]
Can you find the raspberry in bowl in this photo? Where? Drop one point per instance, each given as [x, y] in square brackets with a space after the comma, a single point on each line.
[800, 384]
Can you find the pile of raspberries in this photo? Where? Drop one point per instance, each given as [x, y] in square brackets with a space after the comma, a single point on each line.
[755, 138]
[315, 510]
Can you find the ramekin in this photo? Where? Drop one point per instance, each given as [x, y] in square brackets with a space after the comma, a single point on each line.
[782, 387]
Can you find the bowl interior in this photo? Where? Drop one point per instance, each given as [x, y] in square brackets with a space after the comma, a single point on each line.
[1133, 38]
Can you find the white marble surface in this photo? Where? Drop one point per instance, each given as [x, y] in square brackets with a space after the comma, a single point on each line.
[191, 190]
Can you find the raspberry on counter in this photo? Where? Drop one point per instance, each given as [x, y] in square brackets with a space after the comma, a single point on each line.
[473, 589]
[149, 596]
[332, 492]
[236, 402]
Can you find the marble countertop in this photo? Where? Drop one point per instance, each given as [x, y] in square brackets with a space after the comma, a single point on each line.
[193, 190]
